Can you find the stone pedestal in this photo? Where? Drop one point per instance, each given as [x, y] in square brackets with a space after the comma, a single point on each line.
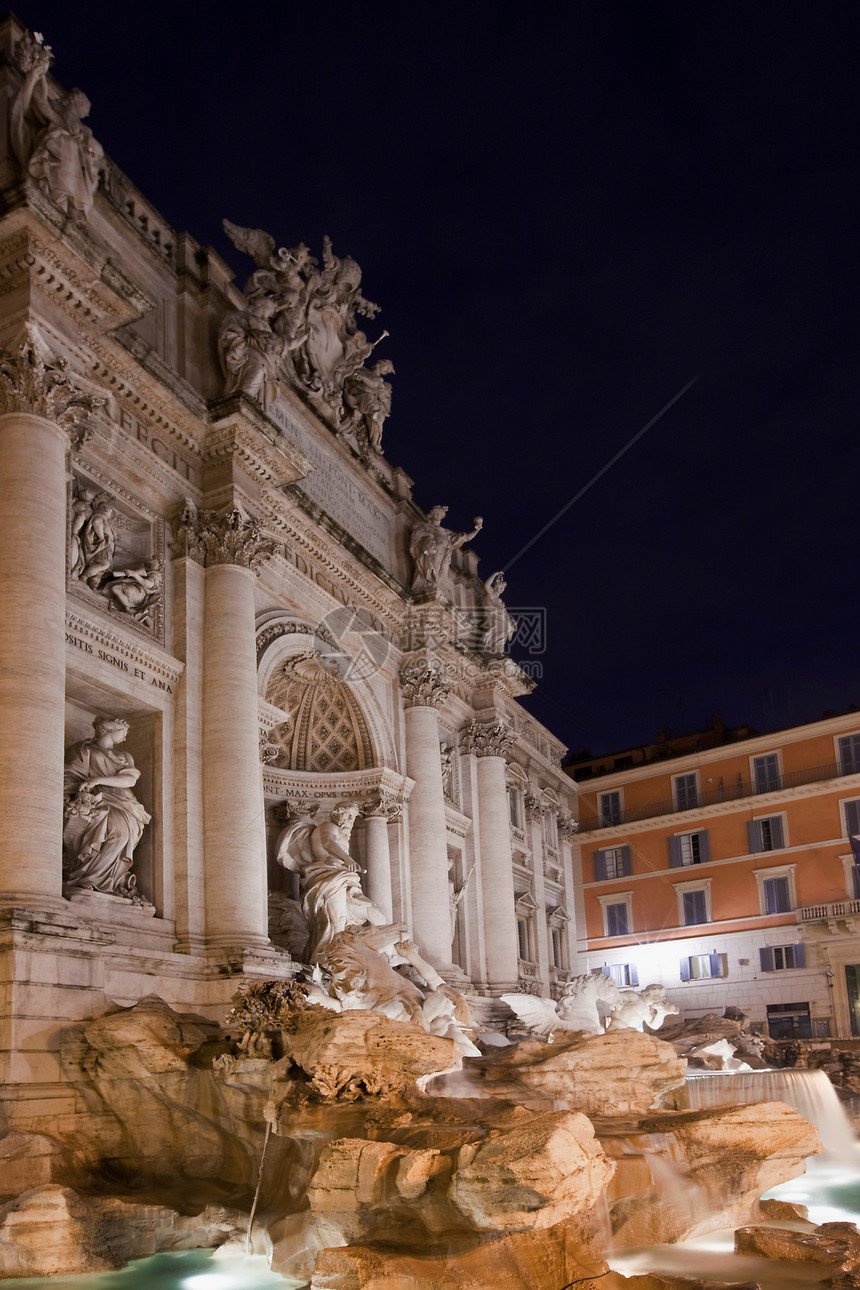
[428, 844]
[32, 656]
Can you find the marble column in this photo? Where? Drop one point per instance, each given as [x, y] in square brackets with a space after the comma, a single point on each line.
[488, 743]
[423, 689]
[535, 815]
[377, 814]
[38, 403]
[231, 546]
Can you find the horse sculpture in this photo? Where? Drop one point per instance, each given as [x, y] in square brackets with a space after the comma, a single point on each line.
[577, 1009]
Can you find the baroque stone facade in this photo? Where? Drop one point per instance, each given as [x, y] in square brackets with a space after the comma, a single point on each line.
[222, 601]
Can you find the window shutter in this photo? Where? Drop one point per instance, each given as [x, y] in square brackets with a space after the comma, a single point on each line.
[754, 835]
[852, 817]
[625, 866]
[799, 954]
[776, 834]
[704, 847]
[685, 969]
[675, 853]
[606, 971]
[634, 975]
[599, 866]
[765, 955]
[716, 964]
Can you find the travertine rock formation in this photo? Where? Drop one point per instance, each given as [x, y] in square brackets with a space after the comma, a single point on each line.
[622, 1073]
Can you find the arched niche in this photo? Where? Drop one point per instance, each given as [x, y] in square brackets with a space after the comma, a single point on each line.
[334, 725]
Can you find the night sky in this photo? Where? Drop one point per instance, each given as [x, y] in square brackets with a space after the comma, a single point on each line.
[567, 213]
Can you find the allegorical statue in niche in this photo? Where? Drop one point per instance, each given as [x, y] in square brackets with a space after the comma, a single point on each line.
[136, 591]
[432, 547]
[82, 509]
[104, 821]
[499, 627]
[49, 137]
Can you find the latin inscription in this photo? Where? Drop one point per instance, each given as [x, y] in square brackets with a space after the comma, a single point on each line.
[338, 495]
[163, 451]
[120, 664]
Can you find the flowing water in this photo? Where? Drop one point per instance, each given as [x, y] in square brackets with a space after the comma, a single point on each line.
[188, 1270]
[830, 1188]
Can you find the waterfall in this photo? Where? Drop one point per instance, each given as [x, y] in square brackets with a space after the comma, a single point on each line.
[810, 1092]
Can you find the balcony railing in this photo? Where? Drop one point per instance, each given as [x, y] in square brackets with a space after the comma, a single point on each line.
[732, 791]
[841, 909]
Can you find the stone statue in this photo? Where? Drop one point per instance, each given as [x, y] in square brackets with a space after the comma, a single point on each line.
[300, 323]
[578, 1008]
[136, 591]
[367, 399]
[104, 821]
[82, 509]
[446, 757]
[50, 140]
[499, 627]
[432, 547]
[638, 1008]
[97, 541]
[352, 947]
[332, 898]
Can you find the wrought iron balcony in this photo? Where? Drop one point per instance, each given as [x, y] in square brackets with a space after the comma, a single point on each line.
[731, 791]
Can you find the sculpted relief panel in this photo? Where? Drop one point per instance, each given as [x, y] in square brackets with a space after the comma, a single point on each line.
[116, 554]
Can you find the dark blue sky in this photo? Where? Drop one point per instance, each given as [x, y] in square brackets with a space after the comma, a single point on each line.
[566, 213]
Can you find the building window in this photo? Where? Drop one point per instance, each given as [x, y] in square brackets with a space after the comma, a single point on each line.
[623, 974]
[767, 834]
[849, 754]
[611, 862]
[689, 848]
[557, 947]
[777, 897]
[514, 807]
[686, 789]
[616, 919]
[523, 938]
[695, 907]
[789, 1021]
[766, 776]
[851, 815]
[609, 807]
[701, 967]
[778, 958]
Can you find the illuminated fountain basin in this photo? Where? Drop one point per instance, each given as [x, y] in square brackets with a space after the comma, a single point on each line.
[185, 1270]
[830, 1188]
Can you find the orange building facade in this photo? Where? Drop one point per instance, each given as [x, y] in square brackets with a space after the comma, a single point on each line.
[728, 876]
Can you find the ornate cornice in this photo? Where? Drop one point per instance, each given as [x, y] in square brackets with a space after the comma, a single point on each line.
[568, 827]
[423, 683]
[33, 381]
[231, 537]
[486, 739]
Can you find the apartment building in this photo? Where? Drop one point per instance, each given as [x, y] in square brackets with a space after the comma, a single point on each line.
[727, 874]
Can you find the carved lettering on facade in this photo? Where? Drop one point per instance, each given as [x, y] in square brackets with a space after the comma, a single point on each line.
[332, 489]
[119, 664]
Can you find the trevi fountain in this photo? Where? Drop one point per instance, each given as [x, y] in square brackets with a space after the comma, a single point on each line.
[265, 1017]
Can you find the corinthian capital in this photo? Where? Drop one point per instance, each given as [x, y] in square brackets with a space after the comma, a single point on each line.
[422, 682]
[487, 739]
[32, 380]
[567, 826]
[383, 803]
[229, 537]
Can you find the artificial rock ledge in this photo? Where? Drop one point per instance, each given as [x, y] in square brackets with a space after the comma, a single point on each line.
[366, 1180]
